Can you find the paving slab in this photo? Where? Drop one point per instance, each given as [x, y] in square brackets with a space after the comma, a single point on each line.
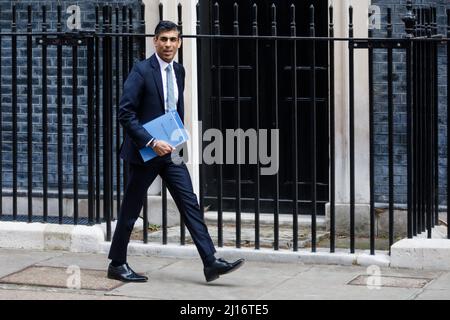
[440, 283]
[57, 277]
[12, 260]
[33, 294]
[182, 278]
[186, 280]
[434, 295]
[101, 261]
[331, 283]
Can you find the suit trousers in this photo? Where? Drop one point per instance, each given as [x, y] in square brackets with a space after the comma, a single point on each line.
[178, 181]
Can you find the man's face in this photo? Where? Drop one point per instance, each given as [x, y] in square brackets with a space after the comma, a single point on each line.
[167, 44]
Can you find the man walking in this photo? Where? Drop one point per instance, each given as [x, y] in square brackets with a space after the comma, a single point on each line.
[153, 87]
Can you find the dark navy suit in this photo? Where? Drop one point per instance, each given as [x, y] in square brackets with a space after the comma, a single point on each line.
[143, 101]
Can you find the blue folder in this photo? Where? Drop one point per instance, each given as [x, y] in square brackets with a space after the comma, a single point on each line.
[168, 128]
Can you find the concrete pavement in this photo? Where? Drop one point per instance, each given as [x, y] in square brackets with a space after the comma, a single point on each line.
[182, 279]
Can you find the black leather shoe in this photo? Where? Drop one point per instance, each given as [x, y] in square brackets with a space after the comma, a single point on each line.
[221, 266]
[125, 273]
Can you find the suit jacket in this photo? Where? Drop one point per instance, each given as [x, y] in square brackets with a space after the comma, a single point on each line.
[142, 101]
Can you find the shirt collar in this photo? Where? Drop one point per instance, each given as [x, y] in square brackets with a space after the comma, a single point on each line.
[162, 64]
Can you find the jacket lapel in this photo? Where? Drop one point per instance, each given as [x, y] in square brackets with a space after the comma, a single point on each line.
[156, 70]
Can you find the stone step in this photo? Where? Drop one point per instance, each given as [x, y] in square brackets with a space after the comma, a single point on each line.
[266, 236]
[285, 220]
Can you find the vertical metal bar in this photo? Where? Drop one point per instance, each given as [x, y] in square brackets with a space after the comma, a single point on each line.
[131, 39]
[390, 132]
[142, 47]
[238, 124]
[352, 134]
[97, 116]
[125, 67]
[141, 56]
[371, 139]
[201, 116]
[312, 33]
[276, 232]
[91, 132]
[431, 121]
[429, 128]
[117, 98]
[163, 184]
[110, 105]
[409, 29]
[180, 27]
[257, 111]
[106, 124]
[219, 120]
[180, 60]
[422, 123]
[436, 120]
[44, 115]
[75, 131]
[332, 136]
[14, 107]
[1, 126]
[60, 119]
[30, 115]
[294, 81]
[448, 122]
[416, 168]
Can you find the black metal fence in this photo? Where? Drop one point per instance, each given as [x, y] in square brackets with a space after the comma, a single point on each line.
[111, 49]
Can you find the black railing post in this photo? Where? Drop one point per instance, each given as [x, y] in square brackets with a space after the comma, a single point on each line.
[59, 107]
[200, 119]
[390, 131]
[163, 184]
[416, 134]
[238, 124]
[429, 123]
[294, 82]
[312, 34]
[142, 42]
[276, 231]
[436, 119]
[14, 108]
[30, 114]
[1, 126]
[448, 122]
[371, 141]
[91, 142]
[107, 179]
[75, 130]
[218, 89]
[257, 120]
[97, 116]
[332, 135]
[125, 69]
[352, 131]
[44, 115]
[117, 92]
[409, 20]
[180, 60]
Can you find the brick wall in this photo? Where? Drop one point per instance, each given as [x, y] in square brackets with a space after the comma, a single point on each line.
[88, 20]
[381, 112]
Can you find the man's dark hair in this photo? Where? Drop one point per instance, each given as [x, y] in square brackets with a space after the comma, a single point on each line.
[164, 26]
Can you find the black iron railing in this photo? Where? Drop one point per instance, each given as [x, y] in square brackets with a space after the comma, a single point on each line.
[236, 82]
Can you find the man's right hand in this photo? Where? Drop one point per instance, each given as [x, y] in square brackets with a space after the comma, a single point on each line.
[162, 148]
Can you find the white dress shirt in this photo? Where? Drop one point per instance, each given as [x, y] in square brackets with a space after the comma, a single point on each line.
[163, 65]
